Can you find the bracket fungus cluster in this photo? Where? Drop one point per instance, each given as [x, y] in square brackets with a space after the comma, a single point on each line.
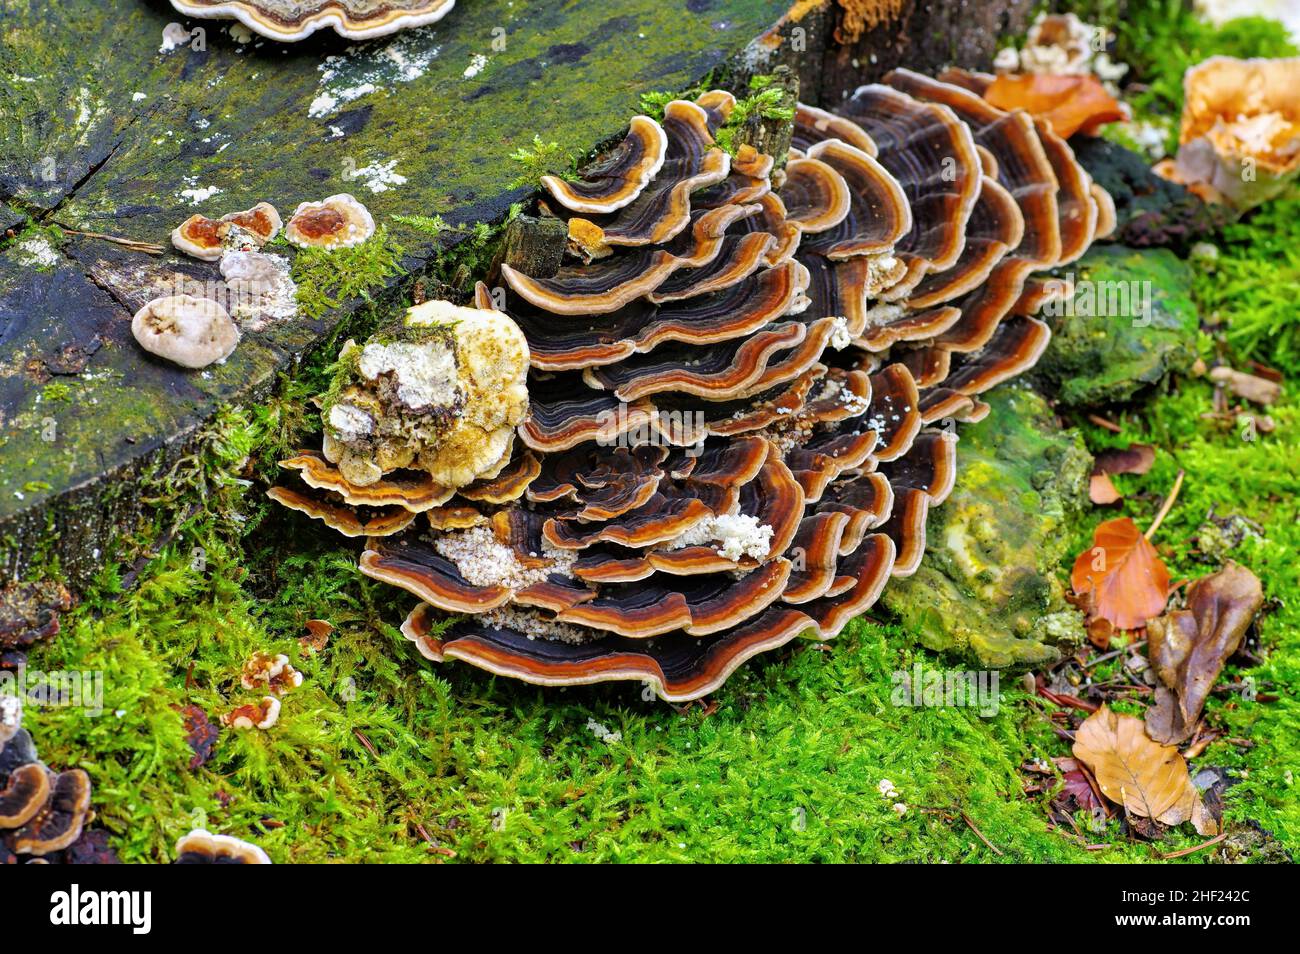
[42, 812]
[291, 20]
[733, 392]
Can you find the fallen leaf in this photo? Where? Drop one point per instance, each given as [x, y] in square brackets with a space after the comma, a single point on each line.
[1076, 785]
[1102, 491]
[1067, 103]
[1099, 633]
[200, 733]
[1189, 647]
[318, 636]
[1124, 578]
[1148, 779]
[1252, 388]
[1134, 459]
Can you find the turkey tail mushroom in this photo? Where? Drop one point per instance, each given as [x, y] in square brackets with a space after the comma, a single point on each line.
[291, 20]
[729, 383]
[42, 812]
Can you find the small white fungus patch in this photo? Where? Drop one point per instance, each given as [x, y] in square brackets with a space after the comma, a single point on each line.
[426, 373]
[484, 561]
[603, 733]
[736, 535]
[350, 422]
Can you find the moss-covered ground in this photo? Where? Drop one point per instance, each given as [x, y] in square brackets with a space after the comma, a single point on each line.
[381, 756]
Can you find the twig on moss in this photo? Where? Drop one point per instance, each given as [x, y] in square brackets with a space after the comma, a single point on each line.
[1166, 506]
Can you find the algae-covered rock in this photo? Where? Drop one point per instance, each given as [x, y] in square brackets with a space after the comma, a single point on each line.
[1149, 211]
[1130, 324]
[989, 589]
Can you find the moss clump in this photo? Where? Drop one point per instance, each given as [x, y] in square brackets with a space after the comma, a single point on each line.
[1254, 282]
[988, 591]
[1131, 324]
[767, 99]
[541, 158]
[466, 250]
[327, 278]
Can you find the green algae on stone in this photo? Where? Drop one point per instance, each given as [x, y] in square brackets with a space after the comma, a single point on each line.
[988, 589]
[1131, 324]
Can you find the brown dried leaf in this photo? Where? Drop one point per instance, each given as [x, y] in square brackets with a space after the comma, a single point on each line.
[1134, 459]
[1188, 648]
[1126, 580]
[1066, 103]
[1249, 386]
[1148, 779]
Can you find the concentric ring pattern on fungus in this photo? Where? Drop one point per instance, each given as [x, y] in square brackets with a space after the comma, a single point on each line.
[734, 385]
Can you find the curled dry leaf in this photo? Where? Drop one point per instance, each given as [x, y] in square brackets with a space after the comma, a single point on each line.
[1121, 575]
[318, 636]
[1189, 647]
[1252, 387]
[1148, 779]
[1067, 103]
[1099, 633]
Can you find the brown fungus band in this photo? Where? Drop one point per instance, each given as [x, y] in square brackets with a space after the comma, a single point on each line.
[728, 389]
[42, 812]
[291, 20]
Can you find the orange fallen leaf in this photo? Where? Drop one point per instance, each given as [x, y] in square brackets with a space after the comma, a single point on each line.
[1067, 103]
[1099, 633]
[1148, 779]
[1124, 578]
[1102, 490]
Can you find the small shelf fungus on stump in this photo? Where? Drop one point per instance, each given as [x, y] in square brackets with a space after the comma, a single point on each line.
[337, 222]
[42, 812]
[188, 331]
[731, 391]
[201, 847]
[208, 239]
[291, 20]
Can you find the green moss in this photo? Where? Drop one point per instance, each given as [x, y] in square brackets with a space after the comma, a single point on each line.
[1253, 283]
[988, 591]
[1131, 324]
[327, 278]
[57, 391]
[541, 158]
